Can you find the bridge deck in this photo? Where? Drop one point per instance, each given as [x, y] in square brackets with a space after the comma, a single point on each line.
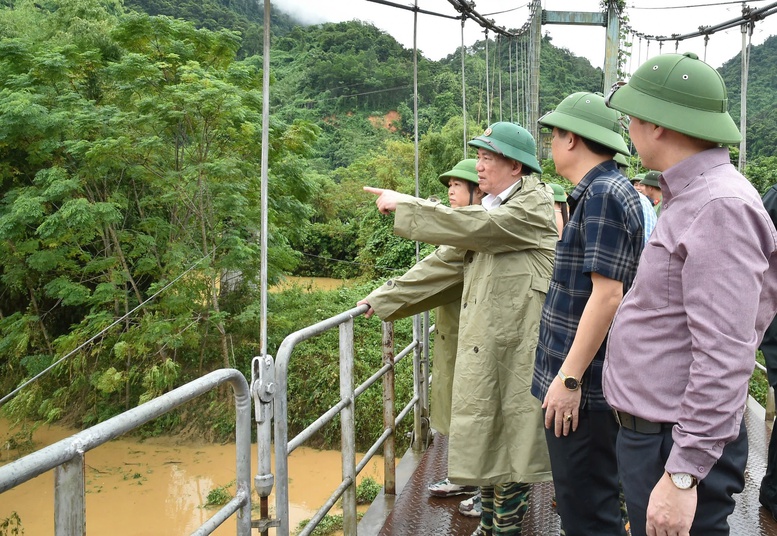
[413, 512]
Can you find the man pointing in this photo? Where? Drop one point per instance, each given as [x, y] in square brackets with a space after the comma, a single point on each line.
[496, 431]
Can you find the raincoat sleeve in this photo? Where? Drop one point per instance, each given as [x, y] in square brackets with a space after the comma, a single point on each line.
[525, 221]
[435, 280]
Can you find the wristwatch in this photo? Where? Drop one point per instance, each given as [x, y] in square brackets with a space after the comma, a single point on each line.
[684, 480]
[570, 382]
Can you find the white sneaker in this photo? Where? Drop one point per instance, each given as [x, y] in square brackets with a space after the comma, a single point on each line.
[471, 507]
[445, 488]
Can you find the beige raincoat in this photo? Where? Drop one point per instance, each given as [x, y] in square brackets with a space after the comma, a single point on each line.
[416, 291]
[496, 431]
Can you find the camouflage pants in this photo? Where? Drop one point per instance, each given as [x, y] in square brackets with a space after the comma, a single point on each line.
[504, 507]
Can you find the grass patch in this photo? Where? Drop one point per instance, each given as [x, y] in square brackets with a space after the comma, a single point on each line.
[328, 526]
[219, 496]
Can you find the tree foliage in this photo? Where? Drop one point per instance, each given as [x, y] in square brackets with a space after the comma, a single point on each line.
[131, 161]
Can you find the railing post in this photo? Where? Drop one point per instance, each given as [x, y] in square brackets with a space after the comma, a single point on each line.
[389, 450]
[348, 427]
[417, 443]
[263, 390]
[70, 498]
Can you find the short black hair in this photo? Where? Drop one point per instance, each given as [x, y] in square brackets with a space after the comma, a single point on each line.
[593, 146]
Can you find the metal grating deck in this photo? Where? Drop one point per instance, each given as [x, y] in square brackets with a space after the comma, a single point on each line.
[415, 513]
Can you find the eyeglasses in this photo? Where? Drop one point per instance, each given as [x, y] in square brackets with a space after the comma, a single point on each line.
[615, 87]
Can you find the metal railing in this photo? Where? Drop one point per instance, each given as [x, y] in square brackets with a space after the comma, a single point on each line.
[270, 386]
[66, 457]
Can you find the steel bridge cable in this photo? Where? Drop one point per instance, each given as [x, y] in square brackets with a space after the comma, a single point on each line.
[748, 15]
[488, 85]
[510, 77]
[122, 318]
[415, 9]
[463, 87]
[695, 5]
[498, 60]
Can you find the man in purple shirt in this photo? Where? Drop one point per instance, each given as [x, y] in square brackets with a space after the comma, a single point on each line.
[682, 344]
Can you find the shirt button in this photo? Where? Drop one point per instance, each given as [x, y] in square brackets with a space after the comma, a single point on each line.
[464, 306]
[476, 349]
[701, 469]
[442, 337]
[389, 283]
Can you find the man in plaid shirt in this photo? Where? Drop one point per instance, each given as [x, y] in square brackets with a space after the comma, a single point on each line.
[596, 260]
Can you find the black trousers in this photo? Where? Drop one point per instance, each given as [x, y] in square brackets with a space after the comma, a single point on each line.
[769, 482]
[641, 460]
[585, 476]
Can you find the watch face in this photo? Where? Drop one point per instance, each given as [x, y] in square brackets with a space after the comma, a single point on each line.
[682, 480]
[571, 383]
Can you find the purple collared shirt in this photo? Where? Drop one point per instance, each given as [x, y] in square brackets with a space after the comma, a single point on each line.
[682, 344]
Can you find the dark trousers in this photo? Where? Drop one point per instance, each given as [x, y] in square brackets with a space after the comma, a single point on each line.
[585, 476]
[641, 460]
[769, 482]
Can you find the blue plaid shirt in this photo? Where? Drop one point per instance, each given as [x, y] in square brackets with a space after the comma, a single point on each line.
[605, 234]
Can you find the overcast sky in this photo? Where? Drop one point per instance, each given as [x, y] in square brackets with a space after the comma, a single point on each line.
[438, 37]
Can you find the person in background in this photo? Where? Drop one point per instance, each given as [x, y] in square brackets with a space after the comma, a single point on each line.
[682, 344]
[560, 204]
[496, 433]
[401, 296]
[636, 182]
[652, 189]
[768, 492]
[648, 212]
[595, 264]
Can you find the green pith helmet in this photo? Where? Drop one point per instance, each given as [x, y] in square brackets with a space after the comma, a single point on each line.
[638, 177]
[512, 141]
[463, 170]
[621, 160]
[586, 115]
[559, 195]
[651, 179]
[679, 92]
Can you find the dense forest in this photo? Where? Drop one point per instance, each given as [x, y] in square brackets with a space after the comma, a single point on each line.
[129, 190]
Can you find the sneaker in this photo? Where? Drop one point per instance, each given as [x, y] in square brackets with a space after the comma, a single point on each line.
[479, 531]
[471, 507]
[445, 488]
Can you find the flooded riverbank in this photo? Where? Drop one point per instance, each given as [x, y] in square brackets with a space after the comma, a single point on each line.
[159, 486]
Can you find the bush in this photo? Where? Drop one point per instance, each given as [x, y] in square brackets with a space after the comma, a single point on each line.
[367, 490]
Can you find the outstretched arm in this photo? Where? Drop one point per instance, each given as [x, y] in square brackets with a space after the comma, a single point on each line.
[387, 199]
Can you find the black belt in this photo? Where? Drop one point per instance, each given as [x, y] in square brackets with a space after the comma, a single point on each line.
[638, 424]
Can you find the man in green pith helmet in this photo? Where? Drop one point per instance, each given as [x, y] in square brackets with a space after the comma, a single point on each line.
[409, 293]
[596, 261]
[560, 204]
[652, 189]
[496, 433]
[682, 344]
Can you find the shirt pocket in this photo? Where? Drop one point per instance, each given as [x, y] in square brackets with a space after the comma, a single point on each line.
[651, 287]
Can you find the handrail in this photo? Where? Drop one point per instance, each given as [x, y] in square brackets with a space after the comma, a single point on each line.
[67, 456]
[344, 408]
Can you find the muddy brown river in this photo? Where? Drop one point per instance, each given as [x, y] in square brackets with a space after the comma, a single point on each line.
[159, 486]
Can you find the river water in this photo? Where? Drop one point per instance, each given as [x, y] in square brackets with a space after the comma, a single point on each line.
[159, 486]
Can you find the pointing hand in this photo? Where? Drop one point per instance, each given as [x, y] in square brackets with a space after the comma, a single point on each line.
[387, 199]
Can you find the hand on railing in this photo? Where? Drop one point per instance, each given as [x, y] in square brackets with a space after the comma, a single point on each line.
[370, 311]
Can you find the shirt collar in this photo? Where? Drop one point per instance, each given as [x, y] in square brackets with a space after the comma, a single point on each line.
[604, 167]
[676, 178]
[492, 201]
